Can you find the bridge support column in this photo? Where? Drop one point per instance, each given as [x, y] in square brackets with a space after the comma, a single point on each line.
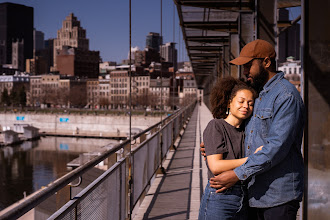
[225, 62]
[219, 72]
[316, 78]
[266, 20]
[234, 52]
[246, 32]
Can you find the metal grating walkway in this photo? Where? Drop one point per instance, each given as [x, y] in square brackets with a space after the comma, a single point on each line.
[176, 195]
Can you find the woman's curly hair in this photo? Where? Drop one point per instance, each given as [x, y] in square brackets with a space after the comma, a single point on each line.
[223, 92]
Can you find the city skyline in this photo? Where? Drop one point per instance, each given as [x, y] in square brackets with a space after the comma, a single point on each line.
[107, 23]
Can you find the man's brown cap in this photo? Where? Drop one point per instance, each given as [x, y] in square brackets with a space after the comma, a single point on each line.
[255, 49]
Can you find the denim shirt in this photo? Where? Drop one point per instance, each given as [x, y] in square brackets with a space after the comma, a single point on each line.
[275, 173]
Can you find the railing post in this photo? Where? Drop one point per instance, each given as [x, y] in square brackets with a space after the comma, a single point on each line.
[162, 169]
[173, 135]
[128, 189]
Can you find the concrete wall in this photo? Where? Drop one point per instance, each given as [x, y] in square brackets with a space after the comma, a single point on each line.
[86, 124]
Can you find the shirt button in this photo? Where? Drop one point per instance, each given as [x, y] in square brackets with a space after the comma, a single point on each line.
[260, 98]
[251, 131]
[255, 115]
[244, 176]
[248, 147]
[262, 116]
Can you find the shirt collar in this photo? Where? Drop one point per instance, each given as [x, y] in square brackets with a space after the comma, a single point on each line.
[272, 82]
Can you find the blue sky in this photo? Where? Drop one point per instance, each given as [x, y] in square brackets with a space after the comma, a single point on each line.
[107, 22]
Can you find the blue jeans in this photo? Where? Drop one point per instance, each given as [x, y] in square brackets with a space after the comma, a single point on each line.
[230, 204]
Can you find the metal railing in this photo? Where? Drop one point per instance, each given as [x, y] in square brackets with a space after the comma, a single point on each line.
[108, 197]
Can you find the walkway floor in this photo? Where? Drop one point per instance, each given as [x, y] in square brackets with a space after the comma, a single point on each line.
[176, 194]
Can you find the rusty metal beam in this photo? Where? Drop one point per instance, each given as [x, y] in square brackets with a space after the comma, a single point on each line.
[288, 3]
[219, 4]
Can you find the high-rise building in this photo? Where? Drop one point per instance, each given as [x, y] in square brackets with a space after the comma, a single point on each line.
[37, 66]
[289, 40]
[38, 41]
[48, 52]
[16, 25]
[18, 55]
[133, 50]
[154, 40]
[169, 54]
[146, 57]
[71, 34]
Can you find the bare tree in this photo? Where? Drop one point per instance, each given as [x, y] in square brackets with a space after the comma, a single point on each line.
[104, 102]
[78, 95]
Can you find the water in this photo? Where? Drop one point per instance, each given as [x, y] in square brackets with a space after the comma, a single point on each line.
[27, 167]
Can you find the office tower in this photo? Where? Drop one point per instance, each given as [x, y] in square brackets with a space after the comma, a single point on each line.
[169, 54]
[71, 34]
[146, 57]
[16, 25]
[38, 42]
[154, 40]
[17, 57]
[49, 51]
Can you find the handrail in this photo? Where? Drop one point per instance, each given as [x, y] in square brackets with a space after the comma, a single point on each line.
[58, 184]
[35, 199]
[65, 209]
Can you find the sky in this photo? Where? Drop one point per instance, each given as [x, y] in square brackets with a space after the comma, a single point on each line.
[107, 23]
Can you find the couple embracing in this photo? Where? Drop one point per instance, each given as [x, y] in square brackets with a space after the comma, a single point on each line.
[253, 144]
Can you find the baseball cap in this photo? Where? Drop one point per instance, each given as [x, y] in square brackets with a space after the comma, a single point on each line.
[255, 49]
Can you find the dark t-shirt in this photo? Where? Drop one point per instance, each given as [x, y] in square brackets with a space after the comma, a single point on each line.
[222, 138]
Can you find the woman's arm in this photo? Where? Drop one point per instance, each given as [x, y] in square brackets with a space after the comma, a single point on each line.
[217, 165]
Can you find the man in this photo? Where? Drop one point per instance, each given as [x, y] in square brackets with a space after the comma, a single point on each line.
[275, 174]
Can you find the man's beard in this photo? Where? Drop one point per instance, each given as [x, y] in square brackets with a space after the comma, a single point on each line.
[259, 80]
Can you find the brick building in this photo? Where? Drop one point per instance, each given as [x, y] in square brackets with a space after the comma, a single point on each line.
[76, 62]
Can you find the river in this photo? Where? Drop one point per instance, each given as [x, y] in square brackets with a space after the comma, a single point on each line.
[27, 167]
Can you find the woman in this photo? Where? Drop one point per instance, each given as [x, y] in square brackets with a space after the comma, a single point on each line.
[231, 102]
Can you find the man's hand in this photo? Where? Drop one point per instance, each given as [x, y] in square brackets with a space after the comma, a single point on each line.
[202, 149]
[224, 180]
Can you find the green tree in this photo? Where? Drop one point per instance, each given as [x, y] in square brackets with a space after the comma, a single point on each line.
[21, 96]
[5, 99]
[13, 98]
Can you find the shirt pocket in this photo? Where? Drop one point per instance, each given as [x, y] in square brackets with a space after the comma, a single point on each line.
[265, 117]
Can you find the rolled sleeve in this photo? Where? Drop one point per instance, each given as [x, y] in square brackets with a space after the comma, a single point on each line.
[214, 139]
[246, 170]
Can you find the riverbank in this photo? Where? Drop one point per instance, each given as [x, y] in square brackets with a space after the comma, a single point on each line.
[81, 125]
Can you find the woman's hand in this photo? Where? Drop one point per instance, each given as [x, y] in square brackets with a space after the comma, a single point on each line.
[202, 149]
[258, 149]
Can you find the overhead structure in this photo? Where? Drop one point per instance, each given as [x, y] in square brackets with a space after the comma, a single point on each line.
[208, 27]
[214, 32]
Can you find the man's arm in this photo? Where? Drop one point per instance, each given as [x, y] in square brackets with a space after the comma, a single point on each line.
[227, 179]
[224, 180]
[287, 116]
[282, 133]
